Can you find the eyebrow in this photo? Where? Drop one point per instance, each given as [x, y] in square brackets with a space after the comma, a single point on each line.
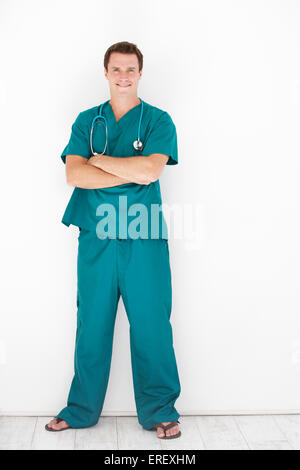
[130, 67]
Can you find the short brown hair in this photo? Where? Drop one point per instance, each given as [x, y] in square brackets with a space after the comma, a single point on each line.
[125, 48]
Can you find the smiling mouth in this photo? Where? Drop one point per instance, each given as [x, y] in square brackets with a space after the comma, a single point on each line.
[123, 86]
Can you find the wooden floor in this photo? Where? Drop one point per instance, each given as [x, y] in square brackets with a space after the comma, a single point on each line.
[198, 433]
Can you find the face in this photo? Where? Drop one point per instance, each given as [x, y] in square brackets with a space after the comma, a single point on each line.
[123, 74]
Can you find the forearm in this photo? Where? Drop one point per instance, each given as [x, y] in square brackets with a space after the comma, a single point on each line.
[137, 169]
[89, 177]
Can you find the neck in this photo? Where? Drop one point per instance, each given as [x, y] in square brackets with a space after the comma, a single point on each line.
[122, 104]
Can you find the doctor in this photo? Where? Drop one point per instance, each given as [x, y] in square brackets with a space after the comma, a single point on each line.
[120, 253]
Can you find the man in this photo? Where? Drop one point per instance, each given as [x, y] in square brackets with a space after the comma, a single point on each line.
[121, 260]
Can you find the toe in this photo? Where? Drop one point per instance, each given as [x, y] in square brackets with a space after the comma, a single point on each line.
[62, 424]
[160, 432]
[172, 431]
[57, 426]
[50, 424]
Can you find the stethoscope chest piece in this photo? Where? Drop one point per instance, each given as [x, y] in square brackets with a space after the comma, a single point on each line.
[138, 145]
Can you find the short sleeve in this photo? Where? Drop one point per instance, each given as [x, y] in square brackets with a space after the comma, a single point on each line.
[79, 141]
[163, 139]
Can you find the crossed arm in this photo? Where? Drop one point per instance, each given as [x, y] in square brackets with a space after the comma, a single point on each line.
[103, 171]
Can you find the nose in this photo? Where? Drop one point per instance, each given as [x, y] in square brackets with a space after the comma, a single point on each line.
[123, 76]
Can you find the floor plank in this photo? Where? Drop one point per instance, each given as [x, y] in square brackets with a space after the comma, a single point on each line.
[16, 432]
[221, 433]
[262, 433]
[290, 427]
[101, 436]
[131, 435]
[47, 440]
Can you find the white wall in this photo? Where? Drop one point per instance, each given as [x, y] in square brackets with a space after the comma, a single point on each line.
[228, 72]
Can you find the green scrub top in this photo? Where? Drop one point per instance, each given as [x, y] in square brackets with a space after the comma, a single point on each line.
[117, 216]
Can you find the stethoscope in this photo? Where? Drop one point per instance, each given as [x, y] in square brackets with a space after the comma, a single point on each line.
[137, 144]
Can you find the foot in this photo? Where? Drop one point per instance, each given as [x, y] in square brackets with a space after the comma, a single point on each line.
[168, 432]
[57, 426]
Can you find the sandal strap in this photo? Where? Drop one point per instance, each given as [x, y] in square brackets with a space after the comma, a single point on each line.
[58, 420]
[167, 426]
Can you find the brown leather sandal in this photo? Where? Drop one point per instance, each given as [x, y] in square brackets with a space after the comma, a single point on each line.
[168, 426]
[58, 420]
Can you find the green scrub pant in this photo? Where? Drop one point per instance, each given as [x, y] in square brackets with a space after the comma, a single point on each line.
[139, 270]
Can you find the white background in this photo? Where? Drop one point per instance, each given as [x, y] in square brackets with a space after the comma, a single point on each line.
[228, 73]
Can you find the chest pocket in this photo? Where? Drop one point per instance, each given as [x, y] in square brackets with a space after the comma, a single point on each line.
[129, 136]
[121, 145]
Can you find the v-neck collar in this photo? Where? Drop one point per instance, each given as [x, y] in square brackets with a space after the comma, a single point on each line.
[124, 117]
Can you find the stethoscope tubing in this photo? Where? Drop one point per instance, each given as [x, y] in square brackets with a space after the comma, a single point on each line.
[137, 144]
